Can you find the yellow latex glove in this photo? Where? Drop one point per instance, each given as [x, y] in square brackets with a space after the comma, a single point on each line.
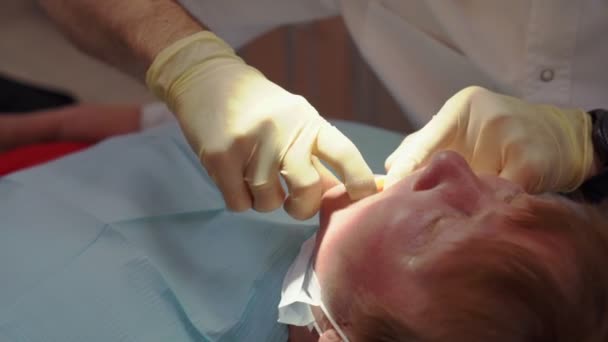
[540, 147]
[248, 130]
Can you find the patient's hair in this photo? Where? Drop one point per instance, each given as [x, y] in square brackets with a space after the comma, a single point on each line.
[485, 289]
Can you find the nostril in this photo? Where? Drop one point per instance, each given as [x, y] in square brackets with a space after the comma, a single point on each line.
[427, 180]
[443, 166]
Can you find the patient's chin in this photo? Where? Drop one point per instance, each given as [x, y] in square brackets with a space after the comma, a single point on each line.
[302, 334]
[333, 199]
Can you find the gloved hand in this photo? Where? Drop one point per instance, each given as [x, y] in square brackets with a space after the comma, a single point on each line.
[246, 129]
[540, 147]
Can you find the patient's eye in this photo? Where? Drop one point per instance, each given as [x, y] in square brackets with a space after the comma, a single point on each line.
[507, 196]
[424, 237]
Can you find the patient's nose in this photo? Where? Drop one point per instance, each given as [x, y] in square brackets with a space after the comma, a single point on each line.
[447, 168]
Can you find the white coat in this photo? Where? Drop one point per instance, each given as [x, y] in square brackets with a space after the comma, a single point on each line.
[544, 51]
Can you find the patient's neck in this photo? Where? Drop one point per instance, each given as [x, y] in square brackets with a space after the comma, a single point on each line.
[302, 334]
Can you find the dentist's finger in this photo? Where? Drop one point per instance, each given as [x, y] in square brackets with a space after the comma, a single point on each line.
[416, 150]
[343, 156]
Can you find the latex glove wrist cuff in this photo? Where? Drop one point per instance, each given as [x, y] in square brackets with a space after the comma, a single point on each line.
[595, 189]
[180, 57]
[599, 136]
[583, 125]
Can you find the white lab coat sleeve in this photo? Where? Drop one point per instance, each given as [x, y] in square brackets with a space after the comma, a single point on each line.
[239, 21]
[154, 114]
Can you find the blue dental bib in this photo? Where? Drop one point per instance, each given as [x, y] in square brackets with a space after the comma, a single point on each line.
[130, 241]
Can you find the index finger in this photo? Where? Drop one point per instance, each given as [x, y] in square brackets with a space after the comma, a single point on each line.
[416, 149]
[343, 156]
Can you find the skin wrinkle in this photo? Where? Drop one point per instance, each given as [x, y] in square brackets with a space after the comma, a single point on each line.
[421, 261]
[429, 237]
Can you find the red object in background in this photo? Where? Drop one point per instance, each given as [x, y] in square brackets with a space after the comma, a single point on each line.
[28, 156]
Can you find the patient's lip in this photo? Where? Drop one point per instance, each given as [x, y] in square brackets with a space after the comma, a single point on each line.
[337, 198]
[379, 182]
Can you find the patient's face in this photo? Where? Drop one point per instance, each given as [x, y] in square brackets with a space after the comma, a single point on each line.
[380, 244]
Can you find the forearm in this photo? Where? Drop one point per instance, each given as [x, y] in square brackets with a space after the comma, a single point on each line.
[125, 34]
[18, 130]
[92, 123]
[86, 123]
